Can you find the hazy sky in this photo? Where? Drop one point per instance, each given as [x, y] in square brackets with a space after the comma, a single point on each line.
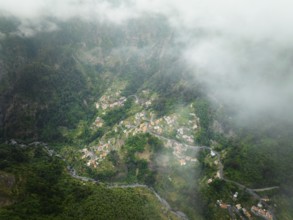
[244, 54]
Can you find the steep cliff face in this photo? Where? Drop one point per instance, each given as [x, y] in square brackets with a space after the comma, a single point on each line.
[51, 80]
[32, 82]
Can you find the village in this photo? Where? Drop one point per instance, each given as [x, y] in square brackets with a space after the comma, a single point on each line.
[175, 130]
[259, 210]
[95, 154]
[142, 121]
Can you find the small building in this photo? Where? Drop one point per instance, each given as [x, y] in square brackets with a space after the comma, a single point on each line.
[238, 206]
[262, 213]
[246, 213]
[148, 103]
[265, 199]
[182, 162]
[187, 158]
[99, 122]
[218, 174]
[224, 205]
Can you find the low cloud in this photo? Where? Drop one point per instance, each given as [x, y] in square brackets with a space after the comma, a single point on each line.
[239, 49]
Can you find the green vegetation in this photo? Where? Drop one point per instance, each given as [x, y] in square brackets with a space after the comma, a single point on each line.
[116, 115]
[49, 85]
[138, 169]
[173, 87]
[136, 144]
[8, 25]
[46, 86]
[203, 111]
[45, 191]
[251, 161]
[179, 185]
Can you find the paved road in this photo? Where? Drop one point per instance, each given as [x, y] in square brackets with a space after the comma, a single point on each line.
[250, 191]
[221, 166]
[265, 189]
[181, 215]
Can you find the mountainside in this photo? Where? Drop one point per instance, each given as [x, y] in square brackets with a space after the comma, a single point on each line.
[104, 121]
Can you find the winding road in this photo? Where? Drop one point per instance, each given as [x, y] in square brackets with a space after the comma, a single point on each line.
[74, 174]
[220, 165]
[250, 191]
[179, 214]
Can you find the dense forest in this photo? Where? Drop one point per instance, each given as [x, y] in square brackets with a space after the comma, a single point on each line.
[49, 86]
[41, 188]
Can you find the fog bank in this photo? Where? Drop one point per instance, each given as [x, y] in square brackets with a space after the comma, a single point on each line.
[241, 50]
